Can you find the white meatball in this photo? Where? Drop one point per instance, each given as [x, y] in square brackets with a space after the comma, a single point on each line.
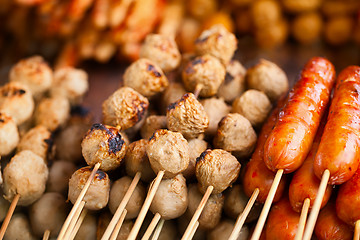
[26, 174]
[19, 228]
[9, 135]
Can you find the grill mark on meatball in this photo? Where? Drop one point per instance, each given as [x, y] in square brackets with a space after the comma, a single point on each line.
[115, 141]
[151, 68]
[2, 120]
[13, 92]
[100, 175]
[202, 156]
[50, 143]
[79, 110]
[201, 40]
[228, 78]
[172, 106]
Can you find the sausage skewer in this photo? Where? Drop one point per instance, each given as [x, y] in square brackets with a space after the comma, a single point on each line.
[336, 160]
[290, 141]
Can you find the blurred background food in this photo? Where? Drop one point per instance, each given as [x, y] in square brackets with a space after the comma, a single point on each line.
[71, 31]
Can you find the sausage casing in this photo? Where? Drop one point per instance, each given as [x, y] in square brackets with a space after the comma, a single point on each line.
[290, 141]
[339, 147]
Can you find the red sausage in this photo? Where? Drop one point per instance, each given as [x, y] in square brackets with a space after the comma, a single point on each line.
[329, 226]
[348, 200]
[257, 175]
[304, 183]
[339, 147]
[290, 141]
[282, 222]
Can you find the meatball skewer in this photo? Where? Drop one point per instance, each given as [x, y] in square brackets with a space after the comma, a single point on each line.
[118, 225]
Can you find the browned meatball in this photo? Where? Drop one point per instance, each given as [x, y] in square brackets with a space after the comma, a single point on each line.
[9, 135]
[307, 27]
[211, 213]
[16, 100]
[338, 30]
[145, 77]
[136, 160]
[38, 140]
[206, 71]
[269, 78]
[201, 9]
[218, 42]
[19, 228]
[187, 116]
[68, 142]
[171, 94]
[254, 105]
[168, 151]
[52, 112]
[216, 109]
[265, 13]
[48, 213]
[59, 175]
[124, 108]
[196, 147]
[117, 193]
[70, 83]
[26, 174]
[33, 72]
[235, 134]
[152, 123]
[234, 83]
[105, 145]
[87, 230]
[217, 168]
[224, 229]
[272, 36]
[162, 50]
[296, 6]
[235, 202]
[97, 195]
[171, 199]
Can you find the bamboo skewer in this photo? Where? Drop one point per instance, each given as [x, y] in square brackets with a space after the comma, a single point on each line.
[357, 230]
[74, 220]
[9, 215]
[78, 224]
[151, 226]
[46, 235]
[193, 231]
[158, 230]
[302, 221]
[116, 231]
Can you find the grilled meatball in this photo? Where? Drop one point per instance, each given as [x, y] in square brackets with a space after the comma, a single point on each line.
[98, 194]
[162, 50]
[171, 199]
[68, 142]
[269, 78]
[26, 174]
[124, 108]
[296, 6]
[307, 28]
[218, 42]
[117, 193]
[70, 83]
[9, 135]
[136, 160]
[168, 151]
[38, 140]
[103, 144]
[224, 229]
[211, 213]
[234, 83]
[216, 109]
[187, 116]
[254, 105]
[196, 147]
[152, 123]
[19, 228]
[216, 168]
[16, 100]
[338, 30]
[145, 77]
[48, 213]
[171, 94]
[52, 112]
[87, 230]
[33, 72]
[235, 134]
[206, 71]
[59, 175]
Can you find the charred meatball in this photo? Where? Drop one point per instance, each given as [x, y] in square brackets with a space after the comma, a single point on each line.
[171, 94]
[9, 135]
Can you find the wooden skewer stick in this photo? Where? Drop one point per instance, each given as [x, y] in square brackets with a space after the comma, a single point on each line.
[158, 229]
[198, 90]
[144, 209]
[197, 213]
[316, 206]
[74, 220]
[267, 205]
[46, 234]
[193, 231]
[242, 217]
[357, 230]
[9, 215]
[151, 226]
[78, 224]
[78, 202]
[119, 211]
[302, 221]
[118, 225]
